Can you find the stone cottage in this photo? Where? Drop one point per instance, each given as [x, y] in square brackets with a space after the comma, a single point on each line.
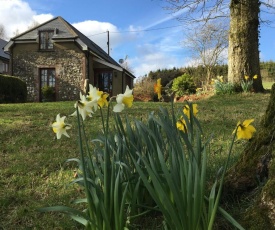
[57, 55]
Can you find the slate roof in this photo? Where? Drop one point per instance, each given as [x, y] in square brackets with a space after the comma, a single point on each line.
[2, 53]
[67, 31]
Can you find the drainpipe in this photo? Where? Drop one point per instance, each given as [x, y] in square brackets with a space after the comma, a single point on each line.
[87, 74]
[122, 79]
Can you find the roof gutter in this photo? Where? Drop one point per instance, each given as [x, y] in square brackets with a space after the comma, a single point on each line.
[108, 64]
[8, 46]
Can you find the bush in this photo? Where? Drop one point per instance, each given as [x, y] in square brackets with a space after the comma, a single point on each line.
[12, 90]
[48, 93]
[183, 85]
[144, 89]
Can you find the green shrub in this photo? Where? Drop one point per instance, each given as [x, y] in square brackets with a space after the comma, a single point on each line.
[183, 85]
[12, 89]
[48, 93]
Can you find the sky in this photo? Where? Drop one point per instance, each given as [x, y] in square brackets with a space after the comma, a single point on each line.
[141, 32]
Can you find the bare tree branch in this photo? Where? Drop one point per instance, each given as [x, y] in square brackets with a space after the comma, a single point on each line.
[2, 32]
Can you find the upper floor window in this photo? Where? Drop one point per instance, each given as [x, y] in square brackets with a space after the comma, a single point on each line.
[45, 40]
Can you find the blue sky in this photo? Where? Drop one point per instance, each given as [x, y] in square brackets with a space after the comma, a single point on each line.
[142, 30]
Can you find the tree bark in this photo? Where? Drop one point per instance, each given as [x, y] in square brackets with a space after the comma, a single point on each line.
[243, 50]
[253, 175]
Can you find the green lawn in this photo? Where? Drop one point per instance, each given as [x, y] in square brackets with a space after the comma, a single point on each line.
[268, 85]
[32, 169]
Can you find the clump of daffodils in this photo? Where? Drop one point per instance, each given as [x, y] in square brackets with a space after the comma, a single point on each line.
[88, 104]
[243, 130]
[219, 79]
[247, 83]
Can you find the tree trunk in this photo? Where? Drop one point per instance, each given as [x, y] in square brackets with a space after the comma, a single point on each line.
[253, 176]
[243, 51]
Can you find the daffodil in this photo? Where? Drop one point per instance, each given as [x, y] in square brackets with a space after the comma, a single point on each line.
[245, 130]
[157, 88]
[220, 78]
[123, 100]
[60, 127]
[102, 101]
[181, 125]
[255, 76]
[246, 77]
[85, 107]
[93, 95]
[99, 96]
[212, 81]
[186, 110]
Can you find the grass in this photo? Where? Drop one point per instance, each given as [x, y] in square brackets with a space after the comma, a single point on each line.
[32, 169]
[267, 85]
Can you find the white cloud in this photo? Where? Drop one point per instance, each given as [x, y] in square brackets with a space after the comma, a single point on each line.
[151, 58]
[168, 18]
[17, 16]
[42, 18]
[97, 32]
[147, 51]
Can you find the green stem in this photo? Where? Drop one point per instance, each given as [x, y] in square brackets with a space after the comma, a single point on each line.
[107, 164]
[83, 164]
[213, 215]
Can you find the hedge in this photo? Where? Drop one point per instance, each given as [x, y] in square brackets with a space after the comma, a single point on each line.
[12, 89]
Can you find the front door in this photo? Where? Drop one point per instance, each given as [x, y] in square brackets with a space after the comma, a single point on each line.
[47, 84]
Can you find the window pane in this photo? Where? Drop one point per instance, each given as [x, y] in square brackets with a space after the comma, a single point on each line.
[42, 40]
[45, 39]
[104, 82]
[50, 44]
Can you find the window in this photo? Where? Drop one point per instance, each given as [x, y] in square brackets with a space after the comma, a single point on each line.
[45, 40]
[47, 78]
[4, 67]
[104, 82]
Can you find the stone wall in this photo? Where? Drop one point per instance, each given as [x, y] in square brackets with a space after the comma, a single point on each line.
[69, 69]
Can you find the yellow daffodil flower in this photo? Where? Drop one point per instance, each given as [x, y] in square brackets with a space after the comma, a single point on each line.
[60, 127]
[85, 107]
[186, 110]
[102, 101]
[157, 88]
[181, 125]
[212, 81]
[220, 78]
[255, 76]
[245, 130]
[246, 77]
[123, 100]
[99, 96]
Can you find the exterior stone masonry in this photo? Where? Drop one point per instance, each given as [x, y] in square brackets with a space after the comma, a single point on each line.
[69, 70]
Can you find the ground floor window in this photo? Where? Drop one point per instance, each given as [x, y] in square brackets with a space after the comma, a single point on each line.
[129, 81]
[104, 81]
[4, 67]
[47, 84]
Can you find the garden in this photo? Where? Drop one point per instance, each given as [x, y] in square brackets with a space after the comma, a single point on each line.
[127, 165]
